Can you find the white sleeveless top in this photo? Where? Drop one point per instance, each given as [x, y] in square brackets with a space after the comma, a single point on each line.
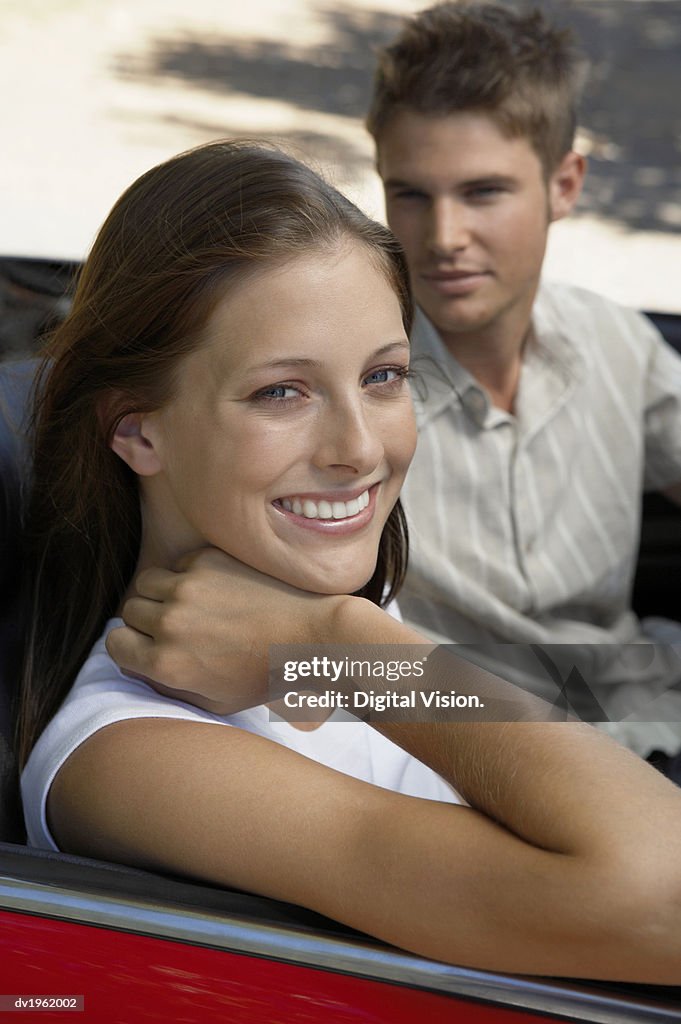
[102, 695]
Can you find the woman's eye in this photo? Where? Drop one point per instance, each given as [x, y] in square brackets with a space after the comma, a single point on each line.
[278, 393]
[387, 375]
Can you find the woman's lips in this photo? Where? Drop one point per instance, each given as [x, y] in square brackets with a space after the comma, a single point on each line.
[317, 509]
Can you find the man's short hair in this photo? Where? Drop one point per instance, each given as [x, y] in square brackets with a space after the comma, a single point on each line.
[481, 57]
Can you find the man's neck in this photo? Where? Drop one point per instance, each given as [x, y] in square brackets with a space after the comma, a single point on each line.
[494, 356]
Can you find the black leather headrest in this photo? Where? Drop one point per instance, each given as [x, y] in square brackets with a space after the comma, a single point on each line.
[16, 381]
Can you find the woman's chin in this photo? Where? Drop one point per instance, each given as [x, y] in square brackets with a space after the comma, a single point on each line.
[330, 584]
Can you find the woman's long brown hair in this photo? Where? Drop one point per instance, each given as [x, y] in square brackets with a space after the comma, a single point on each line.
[178, 237]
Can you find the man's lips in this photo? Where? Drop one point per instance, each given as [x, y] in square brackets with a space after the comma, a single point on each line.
[438, 275]
[455, 282]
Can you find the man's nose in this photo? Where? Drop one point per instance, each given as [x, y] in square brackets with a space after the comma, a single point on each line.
[449, 229]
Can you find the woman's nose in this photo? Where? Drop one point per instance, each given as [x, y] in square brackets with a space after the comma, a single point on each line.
[349, 438]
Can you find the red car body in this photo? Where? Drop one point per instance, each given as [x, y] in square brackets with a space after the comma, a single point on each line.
[134, 946]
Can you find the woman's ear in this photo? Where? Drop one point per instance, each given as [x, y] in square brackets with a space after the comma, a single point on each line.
[565, 184]
[132, 442]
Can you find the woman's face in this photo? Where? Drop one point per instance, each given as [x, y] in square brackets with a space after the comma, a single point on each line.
[291, 431]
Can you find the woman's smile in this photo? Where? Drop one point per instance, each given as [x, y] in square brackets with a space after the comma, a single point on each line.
[330, 513]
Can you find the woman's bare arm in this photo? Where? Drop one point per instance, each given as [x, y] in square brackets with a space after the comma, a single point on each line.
[572, 884]
[568, 862]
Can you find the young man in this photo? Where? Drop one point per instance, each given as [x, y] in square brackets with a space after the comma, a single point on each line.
[544, 409]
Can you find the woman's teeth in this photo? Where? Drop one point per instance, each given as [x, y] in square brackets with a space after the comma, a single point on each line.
[326, 509]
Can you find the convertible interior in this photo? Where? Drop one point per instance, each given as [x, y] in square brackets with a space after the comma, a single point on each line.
[65, 887]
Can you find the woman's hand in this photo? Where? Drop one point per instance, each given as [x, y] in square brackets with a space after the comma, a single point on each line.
[206, 629]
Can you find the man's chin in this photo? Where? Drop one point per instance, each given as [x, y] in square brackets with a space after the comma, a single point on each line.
[457, 316]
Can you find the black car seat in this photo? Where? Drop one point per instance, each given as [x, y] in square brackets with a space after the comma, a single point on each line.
[15, 386]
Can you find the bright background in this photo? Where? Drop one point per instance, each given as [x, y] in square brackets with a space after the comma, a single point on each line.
[96, 91]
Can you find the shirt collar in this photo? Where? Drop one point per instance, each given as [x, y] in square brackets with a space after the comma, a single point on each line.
[556, 336]
[551, 355]
[440, 381]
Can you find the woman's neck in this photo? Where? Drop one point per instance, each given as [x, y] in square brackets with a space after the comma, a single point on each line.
[165, 539]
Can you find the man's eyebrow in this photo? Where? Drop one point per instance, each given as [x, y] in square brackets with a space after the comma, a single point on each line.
[487, 179]
[307, 362]
[399, 183]
[477, 182]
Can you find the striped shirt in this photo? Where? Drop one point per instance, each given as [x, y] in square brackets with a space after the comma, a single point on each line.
[524, 526]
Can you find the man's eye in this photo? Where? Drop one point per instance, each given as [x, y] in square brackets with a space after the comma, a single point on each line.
[409, 193]
[485, 192]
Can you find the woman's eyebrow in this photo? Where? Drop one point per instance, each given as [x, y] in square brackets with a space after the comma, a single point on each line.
[305, 361]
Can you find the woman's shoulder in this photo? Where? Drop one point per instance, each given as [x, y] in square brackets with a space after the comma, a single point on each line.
[101, 695]
[104, 695]
[103, 692]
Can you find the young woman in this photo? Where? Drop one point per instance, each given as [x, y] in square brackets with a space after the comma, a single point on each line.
[232, 378]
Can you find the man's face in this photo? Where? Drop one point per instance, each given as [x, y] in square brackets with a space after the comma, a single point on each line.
[471, 208]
